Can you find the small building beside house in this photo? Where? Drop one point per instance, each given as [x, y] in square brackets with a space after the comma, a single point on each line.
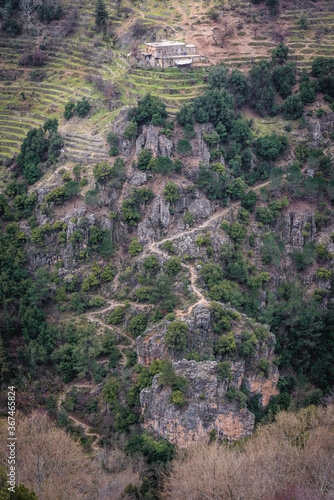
[167, 54]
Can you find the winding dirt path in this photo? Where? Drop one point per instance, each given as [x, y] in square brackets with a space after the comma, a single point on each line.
[85, 427]
[152, 247]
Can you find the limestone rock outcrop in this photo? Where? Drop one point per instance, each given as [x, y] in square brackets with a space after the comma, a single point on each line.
[207, 406]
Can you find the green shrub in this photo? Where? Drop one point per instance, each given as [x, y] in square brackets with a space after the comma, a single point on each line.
[69, 110]
[169, 247]
[247, 347]
[261, 333]
[233, 394]
[171, 192]
[293, 108]
[138, 324]
[185, 116]
[263, 367]
[135, 248]
[111, 390]
[130, 214]
[143, 293]
[131, 131]
[323, 273]
[183, 146]
[143, 159]
[173, 266]
[96, 302]
[270, 147]
[212, 139]
[189, 131]
[225, 345]
[151, 264]
[236, 231]
[224, 370]
[82, 108]
[249, 200]
[176, 335]
[237, 188]
[188, 218]
[177, 398]
[117, 315]
[203, 240]
[150, 109]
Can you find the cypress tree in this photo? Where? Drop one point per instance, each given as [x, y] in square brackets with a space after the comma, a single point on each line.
[101, 14]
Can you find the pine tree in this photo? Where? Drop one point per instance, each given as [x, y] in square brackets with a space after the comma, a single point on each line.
[101, 14]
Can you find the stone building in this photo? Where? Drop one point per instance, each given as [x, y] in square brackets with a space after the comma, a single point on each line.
[168, 54]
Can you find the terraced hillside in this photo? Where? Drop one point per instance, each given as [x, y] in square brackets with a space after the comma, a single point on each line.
[74, 53]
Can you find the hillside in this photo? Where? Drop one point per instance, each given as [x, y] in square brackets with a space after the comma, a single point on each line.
[167, 245]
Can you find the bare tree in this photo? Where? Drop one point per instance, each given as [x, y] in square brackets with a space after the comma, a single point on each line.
[28, 7]
[296, 451]
[217, 36]
[55, 467]
[279, 34]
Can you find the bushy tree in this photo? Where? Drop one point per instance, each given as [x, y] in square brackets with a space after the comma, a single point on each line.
[131, 131]
[171, 192]
[218, 76]
[225, 345]
[262, 93]
[138, 324]
[135, 248]
[283, 78]
[224, 370]
[322, 66]
[69, 110]
[240, 132]
[149, 108]
[176, 335]
[237, 188]
[271, 146]
[280, 54]
[239, 87]
[188, 218]
[129, 210]
[183, 146]
[214, 106]
[143, 159]
[249, 200]
[82, 107]
[173, 266]
[117, 315]
[186, 115]
[293, 108]
[307, 92]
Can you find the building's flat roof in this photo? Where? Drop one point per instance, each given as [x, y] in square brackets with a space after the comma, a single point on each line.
[190, 45]
[164, 44]
[179, 56]
[182, 62]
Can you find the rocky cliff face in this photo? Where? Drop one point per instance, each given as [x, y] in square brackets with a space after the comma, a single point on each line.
[208, 406]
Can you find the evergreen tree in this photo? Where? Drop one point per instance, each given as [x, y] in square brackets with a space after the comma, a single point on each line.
[101, 14]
